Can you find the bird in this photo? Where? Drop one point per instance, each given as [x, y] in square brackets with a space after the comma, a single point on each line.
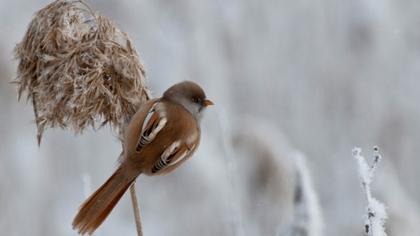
[161, 135]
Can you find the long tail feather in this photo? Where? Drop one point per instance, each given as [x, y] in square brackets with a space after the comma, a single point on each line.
[98, 206]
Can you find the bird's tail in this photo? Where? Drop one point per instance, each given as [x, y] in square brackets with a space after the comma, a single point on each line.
[98, 206]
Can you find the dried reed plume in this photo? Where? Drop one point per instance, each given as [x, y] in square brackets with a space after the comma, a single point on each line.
[78, 69]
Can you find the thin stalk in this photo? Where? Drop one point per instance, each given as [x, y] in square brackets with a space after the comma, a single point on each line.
[136, 209]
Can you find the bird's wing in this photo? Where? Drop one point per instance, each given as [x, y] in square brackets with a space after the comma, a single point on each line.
[172, 155]
[153, 123]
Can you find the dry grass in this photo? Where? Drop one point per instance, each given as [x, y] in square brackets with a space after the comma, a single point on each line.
[79, 69]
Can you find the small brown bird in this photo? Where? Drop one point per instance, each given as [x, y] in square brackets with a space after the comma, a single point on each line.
[163, 134]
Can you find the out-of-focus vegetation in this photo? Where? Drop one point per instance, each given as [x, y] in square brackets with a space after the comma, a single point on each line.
[328, 74]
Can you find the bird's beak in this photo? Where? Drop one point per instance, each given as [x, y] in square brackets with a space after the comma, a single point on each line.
[207, 103]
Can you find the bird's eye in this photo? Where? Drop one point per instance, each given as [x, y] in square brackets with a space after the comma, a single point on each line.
[195, 100]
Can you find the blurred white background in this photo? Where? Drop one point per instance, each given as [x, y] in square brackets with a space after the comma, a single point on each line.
[326, 75]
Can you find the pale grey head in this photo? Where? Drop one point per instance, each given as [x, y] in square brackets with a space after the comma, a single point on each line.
[190, 95]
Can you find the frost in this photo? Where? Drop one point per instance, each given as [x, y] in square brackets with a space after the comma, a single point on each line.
[375, 211]
[376, 218]
[307, 218]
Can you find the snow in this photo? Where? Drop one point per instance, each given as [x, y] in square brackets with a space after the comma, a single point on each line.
[375, 211]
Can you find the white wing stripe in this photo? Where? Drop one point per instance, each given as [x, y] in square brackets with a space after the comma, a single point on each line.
[146, 139]
[164, 160]
[148, 116]
[170, 150]
[161, 124]
[180, 158]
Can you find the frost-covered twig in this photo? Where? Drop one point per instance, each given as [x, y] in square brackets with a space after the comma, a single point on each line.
[375, 211]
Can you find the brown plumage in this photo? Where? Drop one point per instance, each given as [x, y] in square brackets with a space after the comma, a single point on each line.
[163, 134]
